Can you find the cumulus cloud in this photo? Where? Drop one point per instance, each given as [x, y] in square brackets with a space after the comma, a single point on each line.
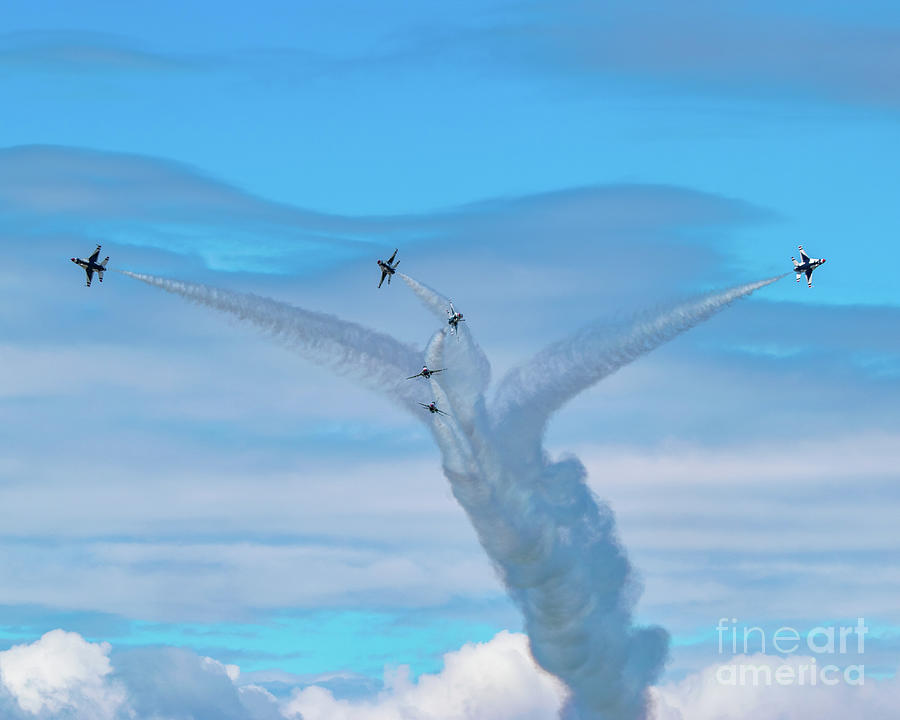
[61, 675]
[496, 680]
[717, 693]
[175, 683]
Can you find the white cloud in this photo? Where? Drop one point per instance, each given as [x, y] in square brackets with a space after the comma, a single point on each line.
[710, 695]
[215, 581]
[496, 679]
[59, 674]
[803, 461]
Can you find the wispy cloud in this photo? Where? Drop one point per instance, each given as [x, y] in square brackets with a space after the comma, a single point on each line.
[741, 48]
[147, 201]
[734, 49]
[81, 52]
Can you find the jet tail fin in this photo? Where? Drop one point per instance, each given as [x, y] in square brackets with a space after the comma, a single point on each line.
[105, 260]
[794, 260]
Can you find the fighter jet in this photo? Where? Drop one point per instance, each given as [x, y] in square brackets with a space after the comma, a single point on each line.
[90, 265]
[432, 409]
[807, 266]
[388, 268]
[426, 373]
[453, 318]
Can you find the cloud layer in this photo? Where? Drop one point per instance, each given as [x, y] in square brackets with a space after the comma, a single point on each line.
[61, 676]
[262, 427]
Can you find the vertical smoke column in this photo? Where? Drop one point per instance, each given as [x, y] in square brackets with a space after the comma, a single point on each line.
[552, 542]
[556, 551]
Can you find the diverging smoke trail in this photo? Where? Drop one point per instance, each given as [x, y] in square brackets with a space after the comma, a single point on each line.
[563, 370]
[373, 358]
[552, 542]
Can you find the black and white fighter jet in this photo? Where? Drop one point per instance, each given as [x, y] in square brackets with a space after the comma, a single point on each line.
[426, 373]
[91, 265]
[432, 409]
[453, 318]
[807, 266]
[388, 268]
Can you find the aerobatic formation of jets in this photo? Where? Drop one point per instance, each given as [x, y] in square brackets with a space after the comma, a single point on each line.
[91, 266]
[388, 268]
[807, 266]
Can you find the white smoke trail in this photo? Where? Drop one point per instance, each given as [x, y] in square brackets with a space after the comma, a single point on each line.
[461, 351]
[552, 542]
[563, 370]
[432, 299]
[373, 358]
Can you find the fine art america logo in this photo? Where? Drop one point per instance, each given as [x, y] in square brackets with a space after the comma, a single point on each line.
[817, 654]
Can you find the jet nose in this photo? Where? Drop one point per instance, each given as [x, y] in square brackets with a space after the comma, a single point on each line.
[72, 259]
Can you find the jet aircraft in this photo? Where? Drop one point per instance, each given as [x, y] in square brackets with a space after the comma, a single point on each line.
[807, 266]
[91, 265]
[426, 373]
[453, 318]
[432, 408]
[388, 268]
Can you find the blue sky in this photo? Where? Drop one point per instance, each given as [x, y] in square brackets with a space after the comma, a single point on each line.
[169, 477]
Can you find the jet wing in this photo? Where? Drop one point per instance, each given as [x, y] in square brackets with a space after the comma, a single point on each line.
[809, 277]
[803, 256]
[383, 276]
[412, 377]
[391, 259]
[90, 275]
[95, 255]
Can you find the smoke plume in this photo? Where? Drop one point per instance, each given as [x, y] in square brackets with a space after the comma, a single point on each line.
[552, 542]
[529, 394]
[372, 358]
